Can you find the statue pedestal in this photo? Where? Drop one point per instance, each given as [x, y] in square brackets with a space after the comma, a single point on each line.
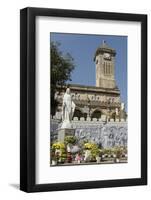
[63, 132]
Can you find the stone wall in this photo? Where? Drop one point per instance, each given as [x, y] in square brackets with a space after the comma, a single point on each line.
[105, 134]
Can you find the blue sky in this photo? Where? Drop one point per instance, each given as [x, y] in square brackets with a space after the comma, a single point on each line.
[82, 48]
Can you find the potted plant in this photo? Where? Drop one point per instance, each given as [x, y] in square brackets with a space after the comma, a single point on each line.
[91, 152]
[53, 158]
[63, 156]
[106, 153]
[118, 152]
[95, 152]
[87, 151]
[125, 152]
[100, 153]
[59, 151]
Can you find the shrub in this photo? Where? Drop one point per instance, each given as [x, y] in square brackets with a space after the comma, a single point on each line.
[70, 140]
[107, 151]
[118, 151]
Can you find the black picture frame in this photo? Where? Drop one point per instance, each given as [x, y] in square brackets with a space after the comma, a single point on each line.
[28, 98]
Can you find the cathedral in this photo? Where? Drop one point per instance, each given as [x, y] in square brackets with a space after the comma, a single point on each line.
[100, 102]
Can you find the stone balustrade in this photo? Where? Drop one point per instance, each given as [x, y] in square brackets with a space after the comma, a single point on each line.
[102, 119]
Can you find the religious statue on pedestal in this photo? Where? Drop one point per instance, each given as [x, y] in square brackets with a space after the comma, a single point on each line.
[68, 107]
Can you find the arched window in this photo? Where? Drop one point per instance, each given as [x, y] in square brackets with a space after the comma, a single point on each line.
[104, 67]
[96, 114]
[78, 113]
[109, 68]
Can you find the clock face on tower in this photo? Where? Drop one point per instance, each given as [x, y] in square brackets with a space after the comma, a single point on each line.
[107, 56]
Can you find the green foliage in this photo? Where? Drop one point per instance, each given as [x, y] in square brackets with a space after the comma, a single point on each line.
[107, 151]
[70, 139]
[61, 68]
[118, 151]
[61, 65]
[95, 151]
[63, 156]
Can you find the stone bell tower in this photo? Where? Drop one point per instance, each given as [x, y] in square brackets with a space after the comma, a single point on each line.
[105, 64]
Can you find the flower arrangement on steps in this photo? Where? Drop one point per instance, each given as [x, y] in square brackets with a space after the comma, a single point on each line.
[71, 151]
[58, 153]
[92, 152]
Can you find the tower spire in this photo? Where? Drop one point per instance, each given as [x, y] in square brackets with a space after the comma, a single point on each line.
[105, 61]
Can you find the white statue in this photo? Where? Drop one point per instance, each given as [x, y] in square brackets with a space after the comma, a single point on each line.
[68, 108]
[122, 106]
[116, 111]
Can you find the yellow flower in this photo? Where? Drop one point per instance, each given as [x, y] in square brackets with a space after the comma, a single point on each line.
[58, 145]
[90, 145]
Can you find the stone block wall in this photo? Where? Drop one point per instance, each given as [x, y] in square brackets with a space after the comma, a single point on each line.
[105, 134]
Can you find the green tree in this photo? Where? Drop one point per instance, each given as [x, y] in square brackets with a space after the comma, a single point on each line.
[61, 67]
